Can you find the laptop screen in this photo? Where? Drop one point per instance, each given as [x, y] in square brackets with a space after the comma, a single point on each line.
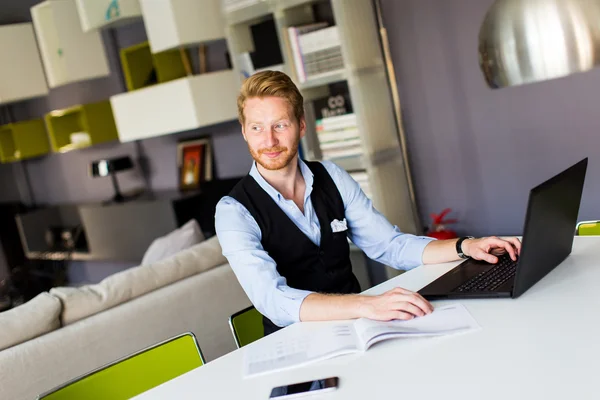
[550, 225]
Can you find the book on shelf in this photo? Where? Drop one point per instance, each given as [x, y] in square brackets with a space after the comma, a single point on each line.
[349, 151]
[316, 51]
[335, 109]
[337, 103]
[340, 144]
[293, 34]
[336, 123]
[338, 135]
[208, 165]
[321, 53]
[306, 343]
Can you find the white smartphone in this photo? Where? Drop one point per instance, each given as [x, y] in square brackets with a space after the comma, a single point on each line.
[305, 389]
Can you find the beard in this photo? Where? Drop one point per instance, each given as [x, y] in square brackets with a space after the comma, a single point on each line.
[281, 161]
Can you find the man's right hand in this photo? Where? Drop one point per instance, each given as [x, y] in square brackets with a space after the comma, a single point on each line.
[397, 303]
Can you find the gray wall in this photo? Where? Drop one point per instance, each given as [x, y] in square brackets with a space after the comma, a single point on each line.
[476, 150]
[9, 190]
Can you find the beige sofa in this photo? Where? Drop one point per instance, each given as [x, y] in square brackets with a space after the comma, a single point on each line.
[195, 290]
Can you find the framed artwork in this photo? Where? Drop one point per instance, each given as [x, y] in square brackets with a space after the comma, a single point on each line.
[194, 159]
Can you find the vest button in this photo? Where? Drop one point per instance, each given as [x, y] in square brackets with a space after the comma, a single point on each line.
[322, 253]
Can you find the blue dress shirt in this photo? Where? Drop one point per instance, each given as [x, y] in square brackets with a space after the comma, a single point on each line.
[240, 238]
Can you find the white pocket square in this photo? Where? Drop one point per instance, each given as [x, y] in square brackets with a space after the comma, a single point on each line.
[339, 226]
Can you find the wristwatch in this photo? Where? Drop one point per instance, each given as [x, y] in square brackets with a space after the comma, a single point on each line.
[459, 243]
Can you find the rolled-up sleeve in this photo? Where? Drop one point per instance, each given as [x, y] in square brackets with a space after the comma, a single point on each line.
[371, 231]
[240, 239]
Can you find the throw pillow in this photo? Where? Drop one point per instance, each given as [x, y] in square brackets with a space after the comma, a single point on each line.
[171, 244]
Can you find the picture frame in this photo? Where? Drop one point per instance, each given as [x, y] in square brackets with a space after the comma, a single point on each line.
[194, 162]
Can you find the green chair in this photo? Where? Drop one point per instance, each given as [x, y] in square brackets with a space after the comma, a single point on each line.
[134, 374]
[588, 228]
[246, 326]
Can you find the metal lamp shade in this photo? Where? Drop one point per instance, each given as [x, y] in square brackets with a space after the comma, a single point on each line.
[525, 41]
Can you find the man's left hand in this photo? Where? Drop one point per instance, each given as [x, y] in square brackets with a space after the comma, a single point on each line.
[488, 248]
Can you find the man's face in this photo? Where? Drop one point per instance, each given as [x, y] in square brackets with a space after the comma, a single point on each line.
[272, 131]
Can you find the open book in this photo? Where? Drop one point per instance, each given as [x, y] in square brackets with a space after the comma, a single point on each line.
[302, 346]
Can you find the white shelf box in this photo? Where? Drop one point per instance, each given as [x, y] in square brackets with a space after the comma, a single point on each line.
[177, 23]
[176, 106]
[98, 14]
[21, 68]
[68, 53]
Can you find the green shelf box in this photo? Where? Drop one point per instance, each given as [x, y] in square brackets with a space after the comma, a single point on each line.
[23, 140]
[141, 68]
[94, 119]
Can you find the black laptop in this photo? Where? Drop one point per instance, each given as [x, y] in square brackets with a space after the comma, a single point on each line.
[547, 240]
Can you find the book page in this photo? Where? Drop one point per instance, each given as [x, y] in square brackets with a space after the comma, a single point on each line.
[443, 320]
[300, 346]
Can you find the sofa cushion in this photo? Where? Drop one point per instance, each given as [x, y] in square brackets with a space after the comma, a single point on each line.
[29, 320]
[87, 300]
[171, 244]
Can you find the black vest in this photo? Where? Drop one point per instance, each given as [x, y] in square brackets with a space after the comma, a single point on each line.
[325, 268]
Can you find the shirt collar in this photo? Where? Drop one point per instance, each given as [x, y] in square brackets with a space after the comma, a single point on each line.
[274, 193]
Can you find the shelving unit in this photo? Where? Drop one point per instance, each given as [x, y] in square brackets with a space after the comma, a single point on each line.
[175, 98]
[21, 70]
[142, 68]
[176, 106]
[23, 140]
[366, 76]
[99, 14]
[68, 53]
[172, 24]
[95, 119]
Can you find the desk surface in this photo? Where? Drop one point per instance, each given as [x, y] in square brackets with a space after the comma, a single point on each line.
[543, 345]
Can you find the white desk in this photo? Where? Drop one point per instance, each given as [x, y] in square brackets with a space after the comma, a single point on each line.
[543, 345]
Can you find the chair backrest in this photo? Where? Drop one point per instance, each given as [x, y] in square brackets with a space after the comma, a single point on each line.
[588, 228]
[246, 326]
[134, 374]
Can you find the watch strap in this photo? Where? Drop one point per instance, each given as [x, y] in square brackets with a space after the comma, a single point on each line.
[459, 243]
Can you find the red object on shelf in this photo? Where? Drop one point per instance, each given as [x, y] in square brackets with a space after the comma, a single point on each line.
[439, 229]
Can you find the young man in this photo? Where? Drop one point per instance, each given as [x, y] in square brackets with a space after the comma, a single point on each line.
[284, 227]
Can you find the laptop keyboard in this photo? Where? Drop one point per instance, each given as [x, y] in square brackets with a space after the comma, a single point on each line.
[491, 279]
